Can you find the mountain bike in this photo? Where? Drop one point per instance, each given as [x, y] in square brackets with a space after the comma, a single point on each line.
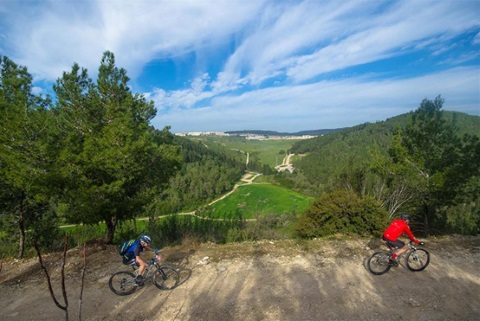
[164, 277]
[416, 259]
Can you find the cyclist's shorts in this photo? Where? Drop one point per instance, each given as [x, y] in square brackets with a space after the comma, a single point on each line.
[398, 244]
[128, 261]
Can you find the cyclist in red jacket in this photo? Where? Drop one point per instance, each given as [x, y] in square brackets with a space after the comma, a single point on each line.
[397, 228]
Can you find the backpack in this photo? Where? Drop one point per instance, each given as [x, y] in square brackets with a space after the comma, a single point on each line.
[126, 246]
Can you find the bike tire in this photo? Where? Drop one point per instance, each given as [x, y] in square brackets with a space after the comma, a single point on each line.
[166, 278]
[418, 260]
[122, 283]
[378, 263]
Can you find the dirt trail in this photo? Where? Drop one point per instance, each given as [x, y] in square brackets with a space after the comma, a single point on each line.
[281, 281]
[247, 178]
[286, 164]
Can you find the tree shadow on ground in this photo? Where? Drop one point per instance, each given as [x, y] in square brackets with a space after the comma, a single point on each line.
[180, 262]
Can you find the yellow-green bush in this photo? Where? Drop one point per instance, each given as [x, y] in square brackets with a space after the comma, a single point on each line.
[342, 212]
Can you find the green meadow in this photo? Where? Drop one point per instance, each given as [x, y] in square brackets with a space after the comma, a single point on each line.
[258, 200]
[252, 201]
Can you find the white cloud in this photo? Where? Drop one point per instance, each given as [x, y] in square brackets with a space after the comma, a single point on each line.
[476, 40]
[387, 36]
[328, 104]
[301, 39]
[50, 36]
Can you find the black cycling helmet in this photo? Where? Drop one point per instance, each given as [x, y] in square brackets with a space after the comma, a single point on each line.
[145, 238]
[405, 217]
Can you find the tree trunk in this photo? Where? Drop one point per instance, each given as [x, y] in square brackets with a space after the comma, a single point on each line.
[111, 223]
[21, 229]
[426, 218]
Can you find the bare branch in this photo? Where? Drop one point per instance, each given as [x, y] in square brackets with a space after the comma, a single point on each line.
[82, 282]
[398, 197]
[64, 291]
[40, 261]
[424, 174]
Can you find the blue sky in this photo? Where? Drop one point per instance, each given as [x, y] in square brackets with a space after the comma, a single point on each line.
[288, 66]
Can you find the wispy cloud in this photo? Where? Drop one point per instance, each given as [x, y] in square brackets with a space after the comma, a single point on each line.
[327, 104]
[58, 33]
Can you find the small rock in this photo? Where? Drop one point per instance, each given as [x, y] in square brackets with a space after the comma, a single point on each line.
[414, 303]
[204, 261]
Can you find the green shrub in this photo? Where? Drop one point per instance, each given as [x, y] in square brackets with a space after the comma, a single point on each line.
[342, 212]
[8, 247]
[46, 232]
[177, 228]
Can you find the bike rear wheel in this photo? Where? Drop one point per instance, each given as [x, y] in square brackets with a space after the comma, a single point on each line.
[166, 278]
[122, 283]
[418, 260]
[378, 263]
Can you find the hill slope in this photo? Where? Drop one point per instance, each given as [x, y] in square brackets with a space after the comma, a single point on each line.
[329, 155]
[311, 280]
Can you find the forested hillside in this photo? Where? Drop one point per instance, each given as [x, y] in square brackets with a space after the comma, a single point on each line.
[206, 173]
[328, 156]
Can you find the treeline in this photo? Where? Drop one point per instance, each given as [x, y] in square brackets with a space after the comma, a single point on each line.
[88, 155]
[425, 163]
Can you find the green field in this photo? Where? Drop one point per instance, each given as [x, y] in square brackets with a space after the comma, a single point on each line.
[265, 151]
[251, 200]
[260, 200]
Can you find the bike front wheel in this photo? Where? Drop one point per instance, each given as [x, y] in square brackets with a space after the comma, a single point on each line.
[166, 278]
[418, 260]
[378, 263]
[122, 283]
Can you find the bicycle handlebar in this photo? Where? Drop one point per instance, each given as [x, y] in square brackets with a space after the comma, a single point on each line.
[419, 243]
[156, 258]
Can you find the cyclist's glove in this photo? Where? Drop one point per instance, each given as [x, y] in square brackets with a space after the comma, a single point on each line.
[156, 251]
[421, 243]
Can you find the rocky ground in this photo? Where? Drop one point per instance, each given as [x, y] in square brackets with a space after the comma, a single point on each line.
[281, 281]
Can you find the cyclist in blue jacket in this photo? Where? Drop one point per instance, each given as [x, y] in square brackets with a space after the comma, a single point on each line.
[133, 255]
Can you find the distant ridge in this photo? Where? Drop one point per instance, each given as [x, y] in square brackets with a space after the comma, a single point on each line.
[315, 132]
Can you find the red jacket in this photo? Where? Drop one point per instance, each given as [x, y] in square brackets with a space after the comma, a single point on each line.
[397, 228]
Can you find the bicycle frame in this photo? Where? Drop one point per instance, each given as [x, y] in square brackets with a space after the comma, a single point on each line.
[149, 271]
[392, 249]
